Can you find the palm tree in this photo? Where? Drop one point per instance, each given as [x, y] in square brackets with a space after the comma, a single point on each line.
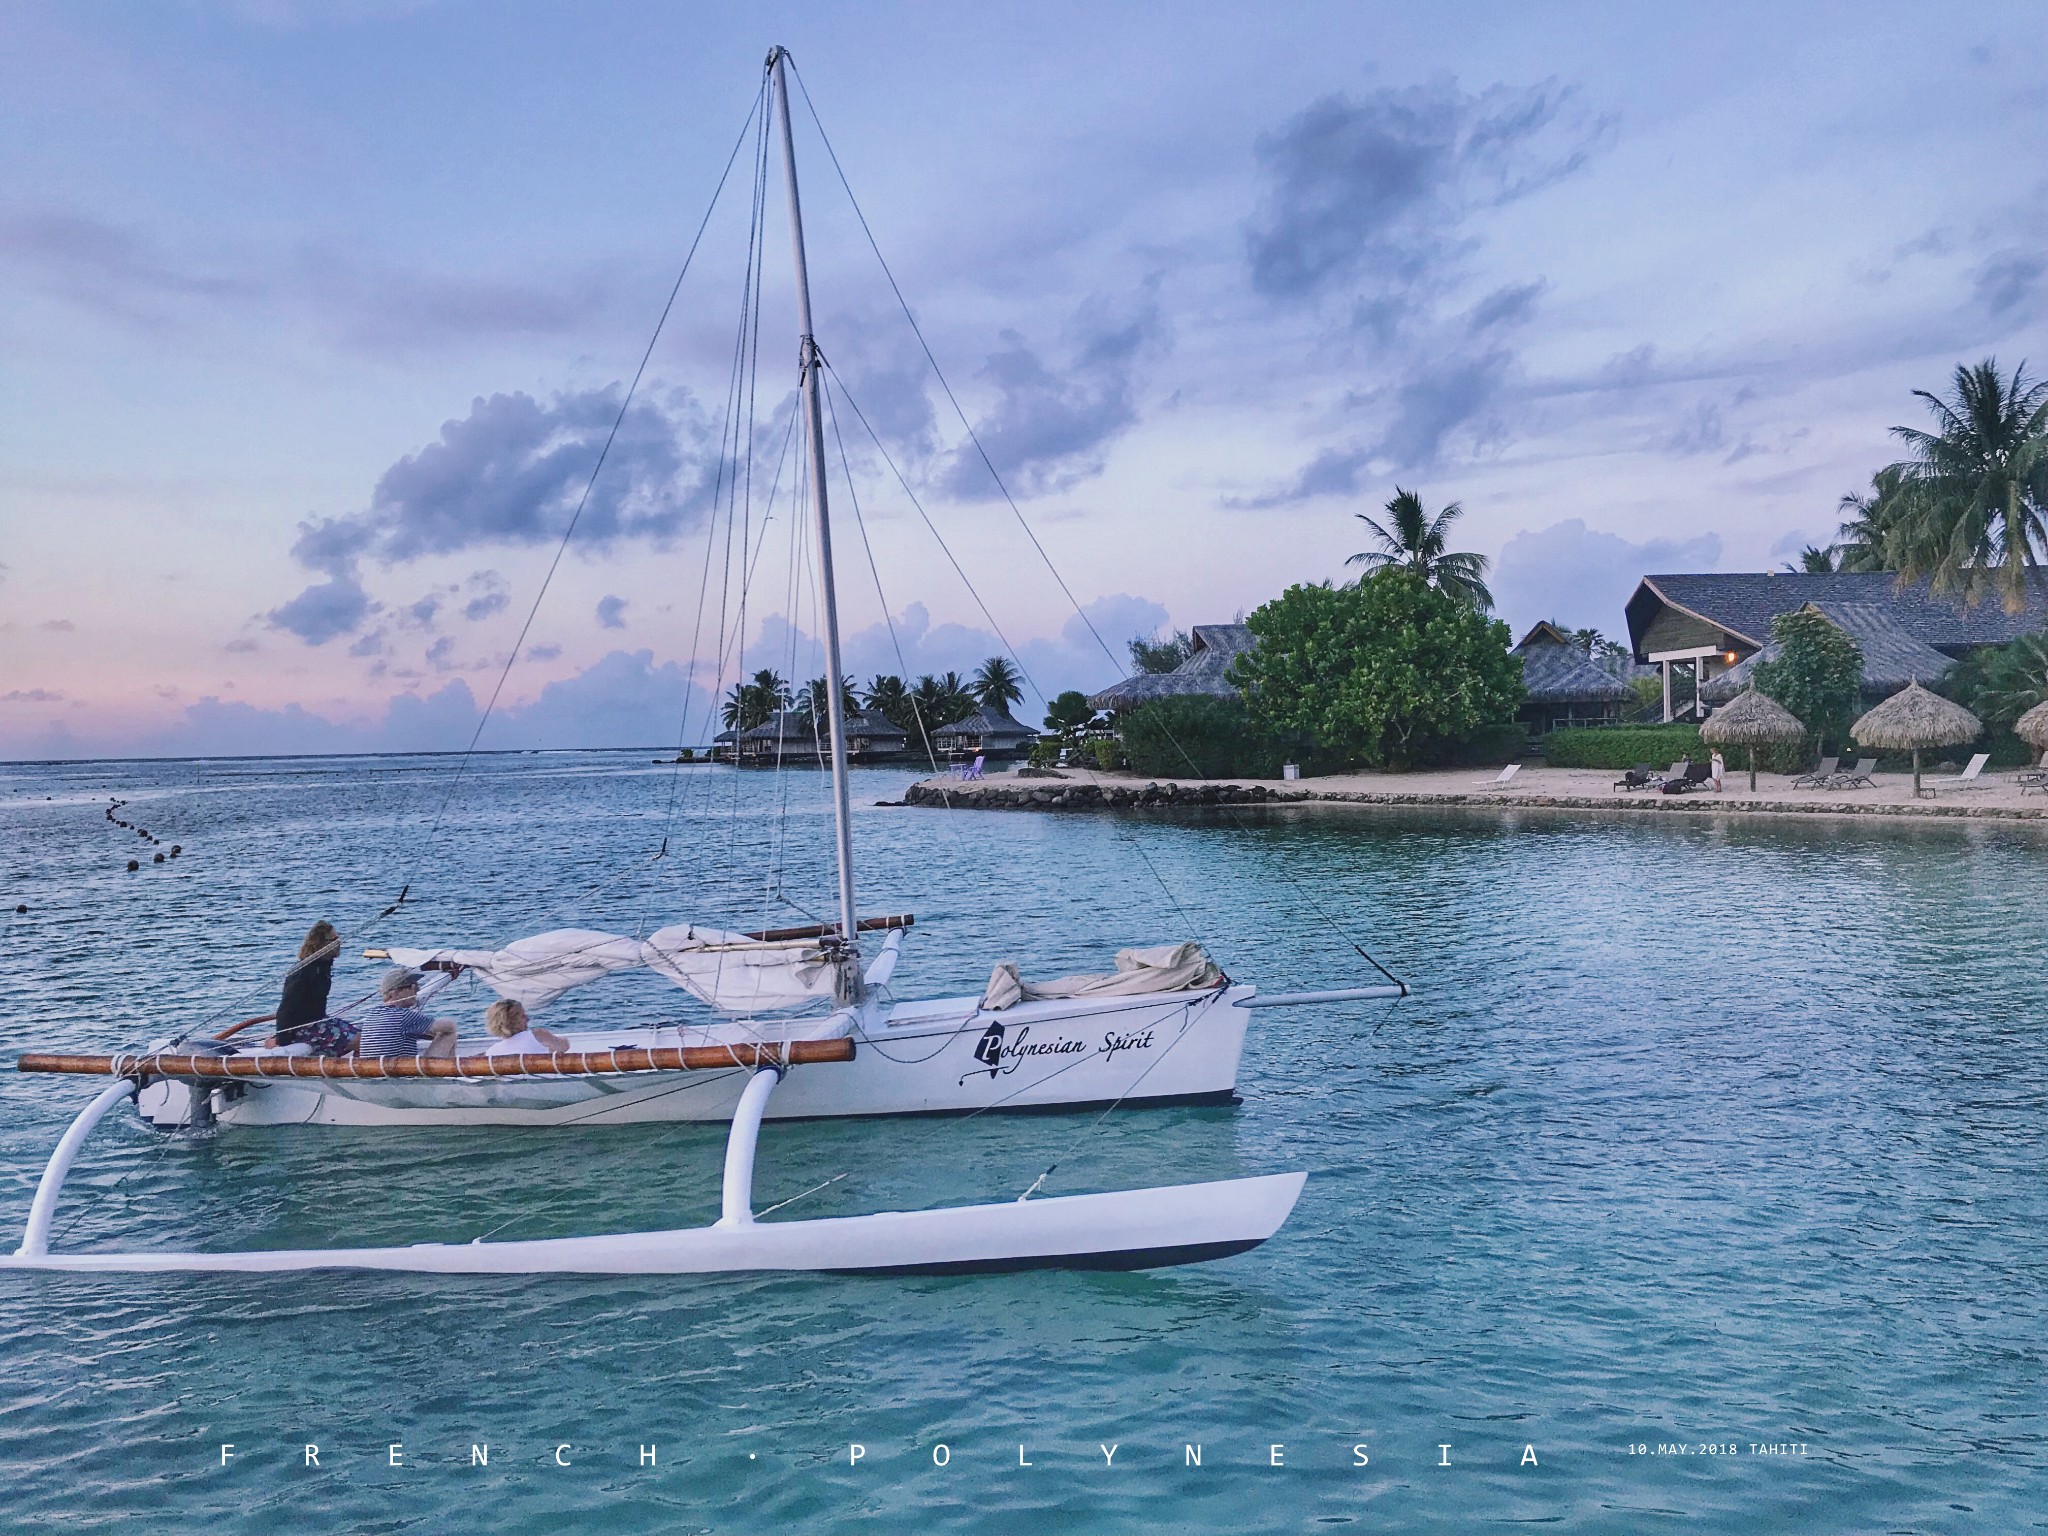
[750, 704]
[941, 700]
[998, 684]
[812, 704]
[1814, 561]
[1975, 492]
[889, 698]
[1419, 543]
[1869, 524]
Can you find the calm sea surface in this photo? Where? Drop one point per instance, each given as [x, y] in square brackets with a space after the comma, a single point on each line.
[1700, 1134]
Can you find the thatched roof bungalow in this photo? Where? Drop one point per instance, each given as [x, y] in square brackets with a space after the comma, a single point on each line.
[987, 732]
[791, 736]
[1566, 686]
[1206, 671]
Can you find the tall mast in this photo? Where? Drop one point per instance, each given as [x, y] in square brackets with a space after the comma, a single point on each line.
[814, 436]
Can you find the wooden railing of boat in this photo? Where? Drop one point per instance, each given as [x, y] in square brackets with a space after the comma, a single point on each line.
[689, 1058]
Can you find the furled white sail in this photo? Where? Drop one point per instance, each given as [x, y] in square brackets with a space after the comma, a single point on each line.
[1161, 968]
[538, 970]
[742, 975]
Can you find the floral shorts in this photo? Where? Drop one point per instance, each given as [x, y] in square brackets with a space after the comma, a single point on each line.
[328, 1037]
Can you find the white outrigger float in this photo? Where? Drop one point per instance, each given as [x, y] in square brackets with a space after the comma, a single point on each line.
[1167, 1026]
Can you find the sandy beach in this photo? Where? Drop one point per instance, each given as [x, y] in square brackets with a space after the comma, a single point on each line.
[1993, 796]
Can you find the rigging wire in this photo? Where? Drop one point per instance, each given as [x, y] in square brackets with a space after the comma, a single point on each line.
[1015, 511]
[582, 502]
[1192, 928]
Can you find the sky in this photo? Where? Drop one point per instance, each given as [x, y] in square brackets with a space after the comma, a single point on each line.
[315, 318]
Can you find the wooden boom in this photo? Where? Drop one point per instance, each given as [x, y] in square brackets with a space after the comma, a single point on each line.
[689, 1058]
[765, 936]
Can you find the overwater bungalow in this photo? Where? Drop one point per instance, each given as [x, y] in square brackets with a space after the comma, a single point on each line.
[791, 738]
[1566, 686]
[988, 732]
[1206, 671]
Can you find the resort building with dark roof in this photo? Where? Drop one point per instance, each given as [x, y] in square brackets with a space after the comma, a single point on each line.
[1205, 672]
[1713, 625]
[792, 737]
[1565, 686]
[985, 733]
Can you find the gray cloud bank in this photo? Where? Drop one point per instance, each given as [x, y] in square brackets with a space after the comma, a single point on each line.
[510, 473]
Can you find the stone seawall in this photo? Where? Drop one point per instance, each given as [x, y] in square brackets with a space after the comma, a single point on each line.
[1039, 796]
[1061, 796]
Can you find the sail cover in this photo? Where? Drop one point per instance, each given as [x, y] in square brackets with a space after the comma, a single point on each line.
[1162, 968]
[739, 974]
[538, 970]
[729, 971]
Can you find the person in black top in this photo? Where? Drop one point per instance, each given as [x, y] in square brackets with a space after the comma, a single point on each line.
[306, 984]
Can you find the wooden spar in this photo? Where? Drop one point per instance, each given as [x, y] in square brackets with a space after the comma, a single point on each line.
[825, 930]
[236, 1029]
[764, 936]
[689, 1058]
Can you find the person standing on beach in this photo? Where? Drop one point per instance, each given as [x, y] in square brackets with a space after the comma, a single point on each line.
[1719, 769]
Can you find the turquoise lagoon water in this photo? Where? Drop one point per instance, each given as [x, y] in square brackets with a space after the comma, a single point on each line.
[1700, 1133]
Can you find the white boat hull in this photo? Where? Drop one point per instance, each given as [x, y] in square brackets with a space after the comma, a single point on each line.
[1127, 1229]
[943, 1057]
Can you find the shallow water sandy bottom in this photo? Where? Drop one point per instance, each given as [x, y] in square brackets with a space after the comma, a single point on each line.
[1698, 1135]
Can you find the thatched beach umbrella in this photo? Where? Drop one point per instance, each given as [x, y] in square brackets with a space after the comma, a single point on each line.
[1914, 719]
[1751, 720]
[2032, 727]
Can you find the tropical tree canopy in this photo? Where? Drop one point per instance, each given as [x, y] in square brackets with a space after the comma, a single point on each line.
[1815, 561]
[998, 684]
[1161, 654]
[1817, 673]
[889, 696]
[751, 703]
[811, 702]
[937, 701]
[1999, 683]
[1414, 541]
[1863, 542]
[1972, 512]
[1594, 645]
[1388, 672]
[1069, 714]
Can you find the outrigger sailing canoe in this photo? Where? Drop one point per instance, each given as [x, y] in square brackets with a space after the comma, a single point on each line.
[1166, 1026]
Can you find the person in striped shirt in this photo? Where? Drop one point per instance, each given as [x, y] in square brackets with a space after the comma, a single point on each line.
[397, 1027]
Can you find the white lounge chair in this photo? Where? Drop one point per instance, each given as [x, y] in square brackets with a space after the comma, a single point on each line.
[1507, 777]
[970, 770]
[1969, 778]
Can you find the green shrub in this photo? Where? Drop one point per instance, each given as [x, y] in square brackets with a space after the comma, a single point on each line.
[1108, 755]
[1195, 736]
[1045, 752]
[1388, 673]
[1818, 674]
[1623, 746]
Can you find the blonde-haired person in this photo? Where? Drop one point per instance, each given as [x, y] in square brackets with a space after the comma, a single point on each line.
[517, 1034]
